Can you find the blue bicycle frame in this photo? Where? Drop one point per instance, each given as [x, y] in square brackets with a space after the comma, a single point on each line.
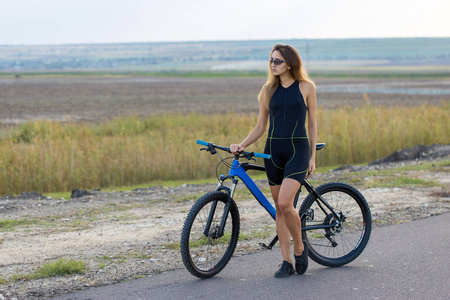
[238, 170]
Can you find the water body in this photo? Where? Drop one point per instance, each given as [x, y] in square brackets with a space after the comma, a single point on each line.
[383, 89]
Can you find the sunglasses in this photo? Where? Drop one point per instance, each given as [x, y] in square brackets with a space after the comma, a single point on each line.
[277, 62]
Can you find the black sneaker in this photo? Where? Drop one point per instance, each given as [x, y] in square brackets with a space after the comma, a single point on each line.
[301, 262]
[285, 270]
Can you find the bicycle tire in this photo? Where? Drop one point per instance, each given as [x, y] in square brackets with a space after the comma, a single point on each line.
[351, 237]
[205, 255]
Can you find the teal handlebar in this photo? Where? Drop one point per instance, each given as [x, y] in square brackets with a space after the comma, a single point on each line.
[203, 143]
[262, 155]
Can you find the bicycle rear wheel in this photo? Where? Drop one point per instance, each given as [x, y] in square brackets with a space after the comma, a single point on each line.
[347, 238]
[203, 251]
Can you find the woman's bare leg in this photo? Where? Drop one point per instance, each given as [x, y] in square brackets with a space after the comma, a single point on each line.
[287, 219]
[284, 237]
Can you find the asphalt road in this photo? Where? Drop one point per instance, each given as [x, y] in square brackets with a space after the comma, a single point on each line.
[405, 261]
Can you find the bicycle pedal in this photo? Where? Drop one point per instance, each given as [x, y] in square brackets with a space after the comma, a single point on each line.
[309, 214]
[264, 246]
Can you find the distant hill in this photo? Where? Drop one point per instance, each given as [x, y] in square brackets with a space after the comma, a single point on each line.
[217, 55]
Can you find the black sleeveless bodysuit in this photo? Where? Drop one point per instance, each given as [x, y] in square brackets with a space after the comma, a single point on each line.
[287, 142]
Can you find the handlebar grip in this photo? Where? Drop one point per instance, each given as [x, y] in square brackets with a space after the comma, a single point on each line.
[261, 155]
[202, 143]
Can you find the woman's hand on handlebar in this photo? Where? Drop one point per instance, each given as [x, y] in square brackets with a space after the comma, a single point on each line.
[236, 149]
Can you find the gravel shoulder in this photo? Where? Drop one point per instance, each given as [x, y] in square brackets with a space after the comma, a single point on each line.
[130, 234]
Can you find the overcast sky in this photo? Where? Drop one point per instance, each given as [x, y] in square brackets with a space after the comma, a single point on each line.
[109, 21]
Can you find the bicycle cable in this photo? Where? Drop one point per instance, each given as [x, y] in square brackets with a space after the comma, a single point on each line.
[224, 161]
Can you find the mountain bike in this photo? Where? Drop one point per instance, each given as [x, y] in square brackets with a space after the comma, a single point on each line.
[336, 219]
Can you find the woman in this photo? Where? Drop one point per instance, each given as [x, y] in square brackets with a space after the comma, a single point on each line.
[286, 98]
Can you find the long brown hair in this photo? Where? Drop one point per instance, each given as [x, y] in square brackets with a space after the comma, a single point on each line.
[297, 71]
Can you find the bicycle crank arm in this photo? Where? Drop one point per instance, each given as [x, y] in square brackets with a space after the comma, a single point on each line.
[316, 227]
[272, 243]
[332, 241]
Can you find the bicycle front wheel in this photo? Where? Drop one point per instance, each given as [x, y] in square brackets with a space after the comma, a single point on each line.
[205, 252]
[347, 234]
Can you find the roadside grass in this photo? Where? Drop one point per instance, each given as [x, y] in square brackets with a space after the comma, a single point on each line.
[109, 211]
[399, 181]
[121, 257]
[265, 232]
[439, 166]
[187, 198]
[402, 176]
[60, 223]
[79, 220]
[10, 224]
[60, 267]
[172, 245]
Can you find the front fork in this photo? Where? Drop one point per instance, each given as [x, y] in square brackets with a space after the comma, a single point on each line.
[230, 191]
